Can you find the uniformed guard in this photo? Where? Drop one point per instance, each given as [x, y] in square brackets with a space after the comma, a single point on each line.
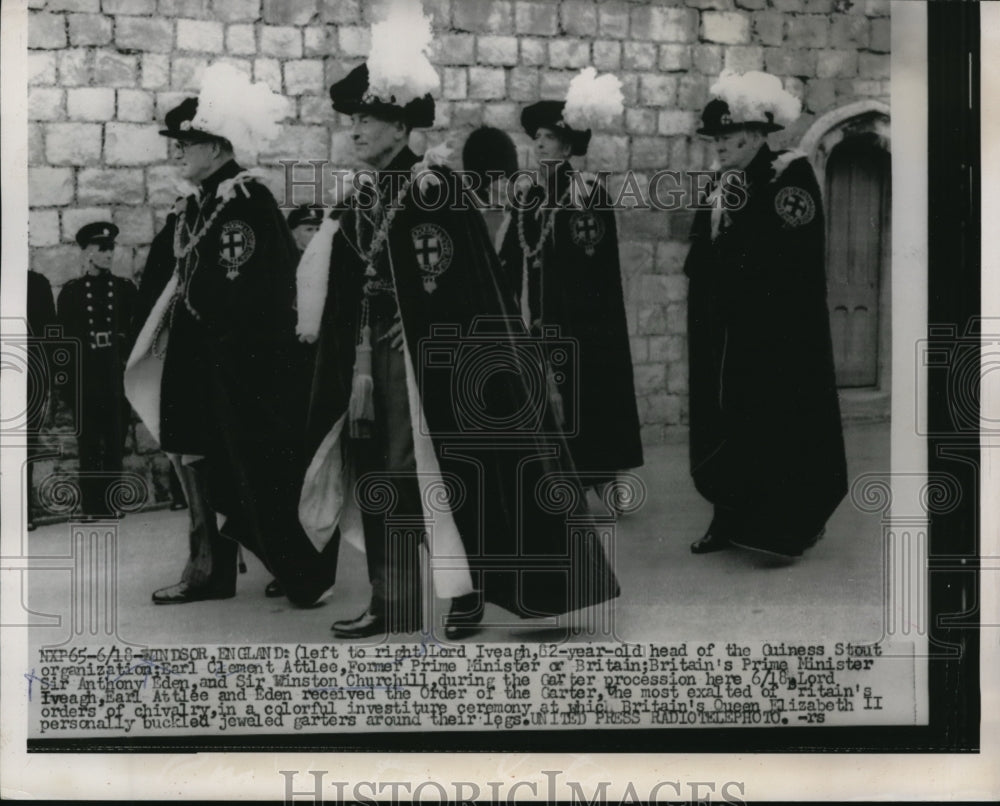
[217, 373]
[767, 446]
[96, 309]
[304, 221]
[561, 254]
[399, 455]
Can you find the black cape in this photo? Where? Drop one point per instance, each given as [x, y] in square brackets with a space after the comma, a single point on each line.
[235, 377]
[766, 435]
[489, 428]
[579, 289]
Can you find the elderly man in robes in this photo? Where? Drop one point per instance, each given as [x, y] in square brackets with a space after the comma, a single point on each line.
[767, 447]
[421, 425]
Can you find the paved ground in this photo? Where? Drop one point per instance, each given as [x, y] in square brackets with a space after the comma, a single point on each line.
[834, 592]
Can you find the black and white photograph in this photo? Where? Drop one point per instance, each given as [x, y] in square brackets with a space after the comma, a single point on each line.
[517, 376]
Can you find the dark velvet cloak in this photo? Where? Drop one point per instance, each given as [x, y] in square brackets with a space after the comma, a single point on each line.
[529, 542]
[766, 434]
[579, 290]
[235, 378]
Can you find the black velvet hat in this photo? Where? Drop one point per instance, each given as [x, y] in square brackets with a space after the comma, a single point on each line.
[178, 121]
[549, 115]
[350, 96]
[489, 149]
[304, 214]
[99, 232]
[716, 119]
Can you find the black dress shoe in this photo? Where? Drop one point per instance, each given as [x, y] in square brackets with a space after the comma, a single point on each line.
[346, 622]
[177, 506]
[182, 593]
[274, 589]
[711, 541]
[464, 617]
[366, 625]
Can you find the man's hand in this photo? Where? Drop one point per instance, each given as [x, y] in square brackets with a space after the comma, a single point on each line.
[395, 333]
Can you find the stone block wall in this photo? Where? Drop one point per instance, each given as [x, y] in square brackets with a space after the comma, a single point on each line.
[102, 74]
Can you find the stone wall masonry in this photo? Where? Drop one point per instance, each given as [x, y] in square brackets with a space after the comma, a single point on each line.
[103, 72]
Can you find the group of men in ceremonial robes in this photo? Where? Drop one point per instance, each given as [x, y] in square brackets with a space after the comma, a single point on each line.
[402, 375]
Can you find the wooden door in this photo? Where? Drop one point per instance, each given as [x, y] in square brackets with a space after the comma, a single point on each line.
[858, 196]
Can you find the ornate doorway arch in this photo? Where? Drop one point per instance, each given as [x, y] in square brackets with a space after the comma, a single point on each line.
[850, 150]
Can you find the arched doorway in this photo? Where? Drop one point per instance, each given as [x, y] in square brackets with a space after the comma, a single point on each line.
[858, 197]
[850, 150]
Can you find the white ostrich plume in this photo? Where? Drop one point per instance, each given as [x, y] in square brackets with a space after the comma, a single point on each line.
[397, 64]
[751, 95]
[248, 115]
[593, 101]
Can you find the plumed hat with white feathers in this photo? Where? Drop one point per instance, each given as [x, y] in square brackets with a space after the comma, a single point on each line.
[591, 101]
[229, 107]
[753, 99]
[397, 79]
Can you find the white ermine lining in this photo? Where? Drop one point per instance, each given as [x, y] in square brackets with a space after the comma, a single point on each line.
[144, 370]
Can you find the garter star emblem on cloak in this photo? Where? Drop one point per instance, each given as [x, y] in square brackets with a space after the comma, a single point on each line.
[586, 230]
[795, 206]
[236, 246]
[434, 250]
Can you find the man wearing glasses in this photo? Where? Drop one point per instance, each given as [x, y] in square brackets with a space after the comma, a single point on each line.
[95, 309]
[217, 373]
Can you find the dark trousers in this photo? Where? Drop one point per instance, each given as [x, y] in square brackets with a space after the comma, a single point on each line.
[212, 558]
[393, 538]
[101, 449]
